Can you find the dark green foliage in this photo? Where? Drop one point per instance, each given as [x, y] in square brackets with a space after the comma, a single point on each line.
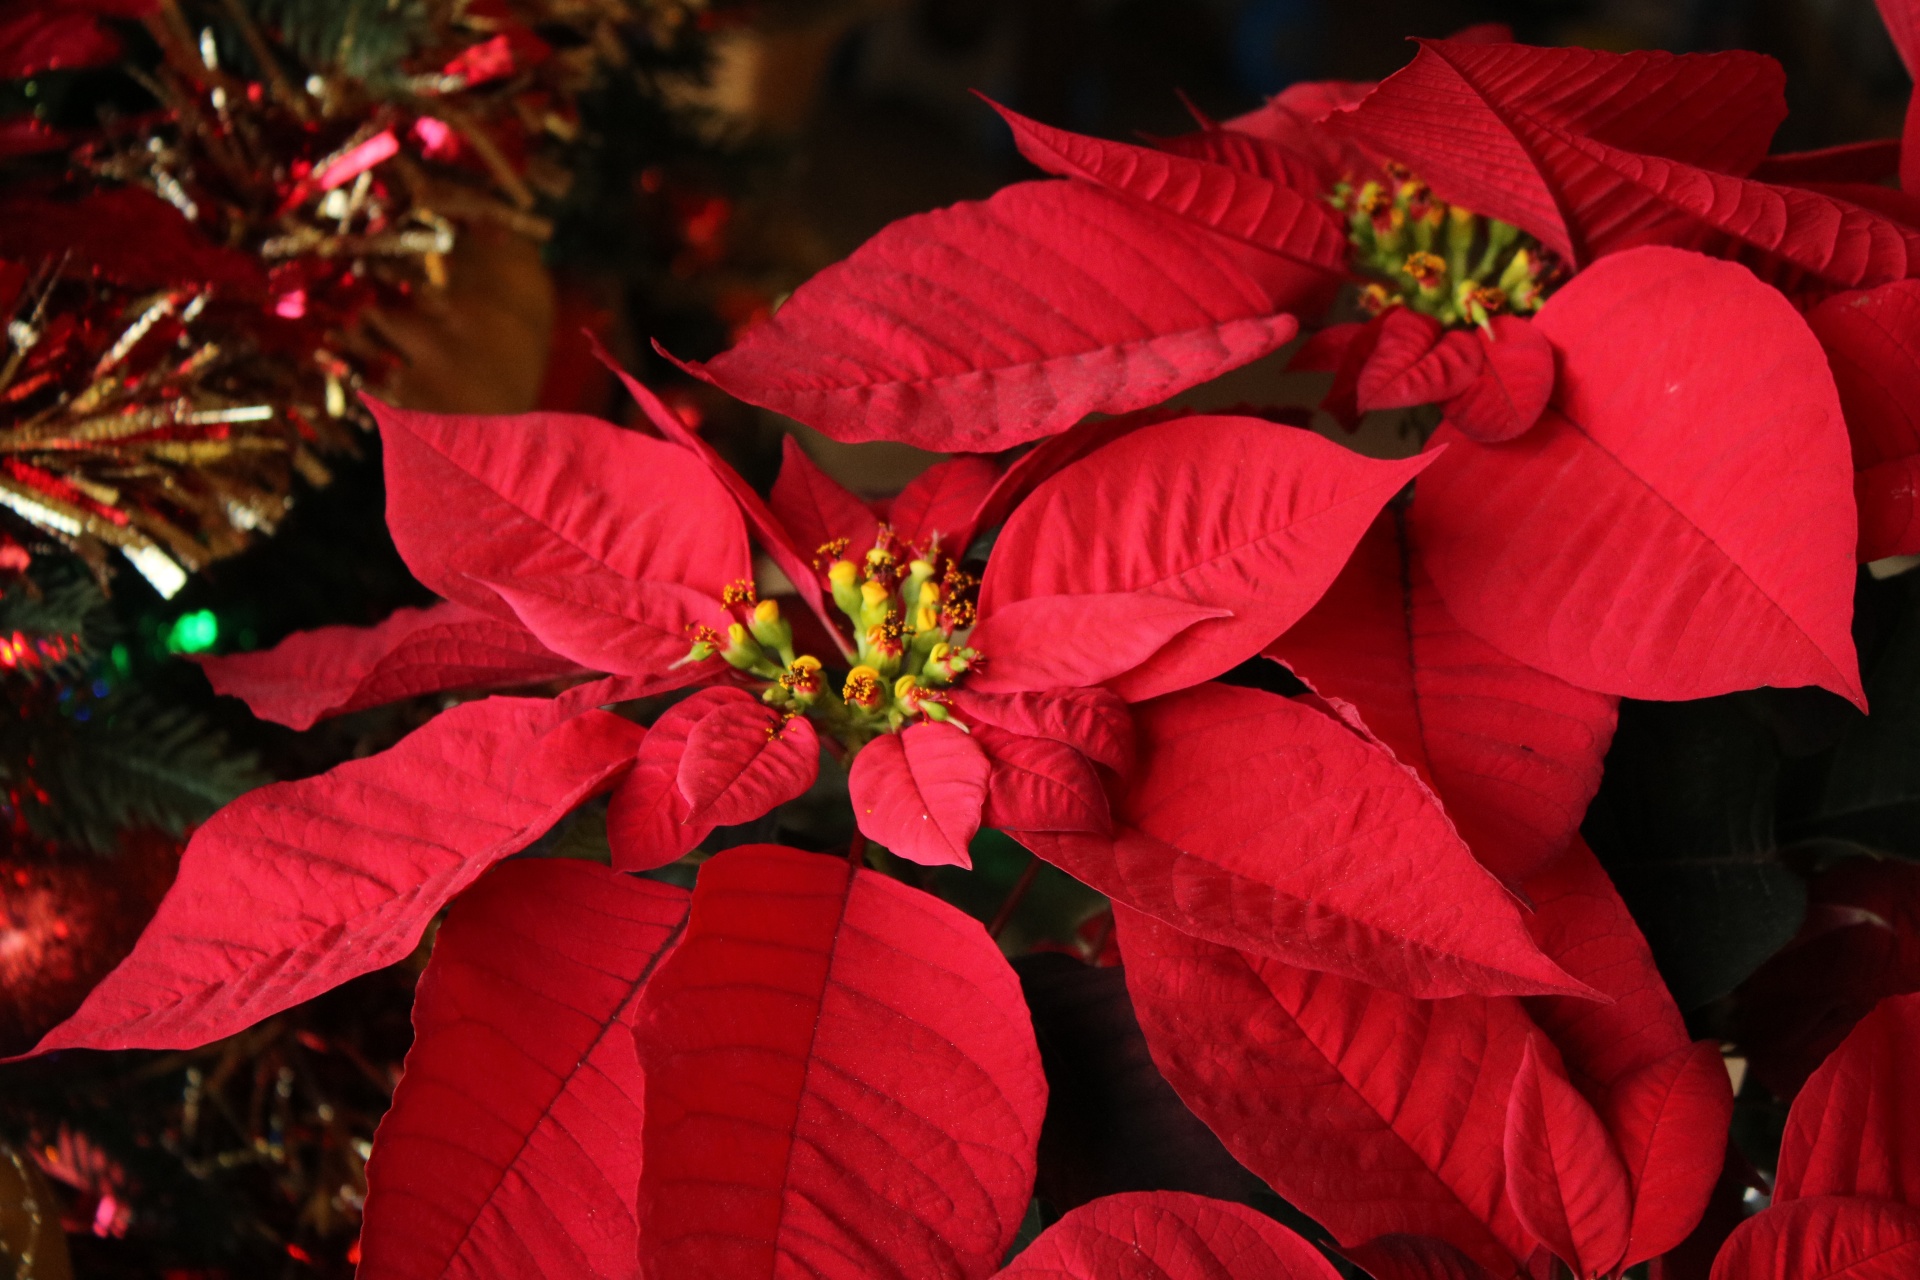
[366, 39]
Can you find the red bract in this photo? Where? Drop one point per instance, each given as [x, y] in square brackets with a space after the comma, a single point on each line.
[510, 1146]
[1089, 305]
[841, 1081]
[1388, 1118]
[1872, 341]
[1846, 1200]
[1167, 1236]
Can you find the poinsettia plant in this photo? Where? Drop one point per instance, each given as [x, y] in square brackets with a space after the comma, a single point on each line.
[1322, 728]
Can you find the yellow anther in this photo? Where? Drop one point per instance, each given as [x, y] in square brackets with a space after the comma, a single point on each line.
[863, 688]
[874, 593]
[767, 611]
[1427, 269]
[843, 573]
[739, 591]
[736, 634]
[939, 651]
[903, 687]
[806, 662]
[927, 616]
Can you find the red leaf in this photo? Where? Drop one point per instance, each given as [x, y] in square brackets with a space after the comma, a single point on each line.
[642, 629]
[815, 509]
[1631, 542]
[1054, 454]
[1670, 1121]
[983, 325]
[841, 1082]
[648, 815]
[1854, 1130]
[1513, 387]
[1234, 513]
[316, 674]
[1580, 921]
[1404, 1257]
[744, 759]
[1346, 357]
[1825, 1238]
[1038, 784]
[1292, 119]
[1902, 19]
[509, 1149]
[1167, 1235]
[1251, 155]
[1094, 722]
[793, 559]
[1872, 341]
[1522, 144]
[1266, 825]
[1374, 1113]
[1032, 645]
[1231, 201]
[1514, 753]
[547, 496]
[920, 792]
[33, 41]
[1564, 1178]
[942, 503]
[1416, 362]
[297, 887]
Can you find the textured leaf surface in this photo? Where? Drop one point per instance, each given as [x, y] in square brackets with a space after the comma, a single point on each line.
[1595, 153]
[649, 818]
[1032, 645]
[743, 759]
[1095, 722]
[1292, 119]
[1670, 1121]
[546, 496]
[1630, 542]
[920, 793]
[1514, 753]
[1167, 1235]
[332, 670]
[815, 508]
[511, 1147]
[841, 1081]
[1038, 784]
[943, 503]
[1580, 921]
[1825, 1238]
[1416, 362]
[1872, 341]
[1233, 513]
[294, 888]
[983, 325]
[1264, 824]
[1234, 202]
[1564, 1178]
[1405, 1257]
[611, 624]
[1375, 1113]
[1513, 386]
[1054, 454]
[1855, 1128]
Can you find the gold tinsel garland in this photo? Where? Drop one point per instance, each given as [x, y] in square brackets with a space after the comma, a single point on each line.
[184, 297]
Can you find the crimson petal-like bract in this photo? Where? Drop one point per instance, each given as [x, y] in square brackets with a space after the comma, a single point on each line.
[1855, 1128]
[1514, 753]
[547, 496]
[943, 502]
[1872, 341]
[333, 670]
[920, 792]
[1234, 513]
[1094, 721]
[744, 759]
[1825, 1238]
[1563, 1176]
[1234, 202]
[1630, 543]
[1264, 824]
[1372, 1112]
[988, 324]
[1669, 1120]
[1416, 362]
[649, 817]
[1513, 387]
[511, 1146]
[296, 887]
[1039, 784]
[841, 1082]
[815, 508]
[1030, 644]
[1594, 153]
[1167, 1235]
